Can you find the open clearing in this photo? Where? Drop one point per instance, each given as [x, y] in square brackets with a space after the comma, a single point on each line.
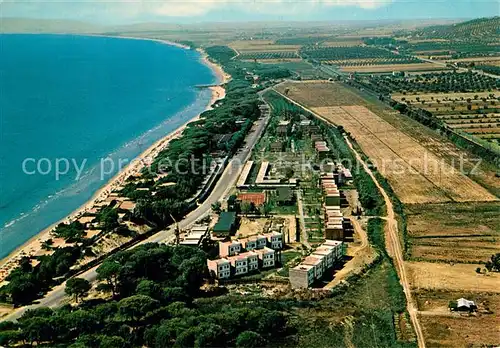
[449, 329]
[460, 331]
[455, 277]
[454, 232]
[315, 94]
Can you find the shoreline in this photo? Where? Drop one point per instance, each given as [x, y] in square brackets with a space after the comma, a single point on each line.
[33, 245]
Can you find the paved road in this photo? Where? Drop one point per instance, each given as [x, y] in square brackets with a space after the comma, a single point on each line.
[57, 297]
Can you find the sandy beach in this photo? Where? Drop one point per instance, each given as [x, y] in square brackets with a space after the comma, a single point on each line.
[34, 245]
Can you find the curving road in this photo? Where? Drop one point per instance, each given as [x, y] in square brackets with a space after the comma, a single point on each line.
[393, 244]
[57, 297]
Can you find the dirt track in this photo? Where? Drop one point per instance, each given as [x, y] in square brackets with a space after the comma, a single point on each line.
[393, 244]
[393, 247]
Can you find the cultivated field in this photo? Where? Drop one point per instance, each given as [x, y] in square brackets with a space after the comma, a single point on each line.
[277, 60]
[417, 175]
[265, 51]
[392, 67]
[359, 57]
[272, 55]
[479, 60]
[342, 43]
[473, 113]
[320, 94]
[467, 233]
[260, 45]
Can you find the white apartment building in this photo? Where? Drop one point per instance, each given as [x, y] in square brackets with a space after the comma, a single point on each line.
[301, 276]
[275, 240]
[266, 257]
[220, 267]
[229, 248]
[328, 253]
[239, 263]
[253, 260]
[338, 247]
[321, 260]
[318, 263]
[254, 242]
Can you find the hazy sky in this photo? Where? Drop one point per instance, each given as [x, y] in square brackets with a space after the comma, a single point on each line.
[126, 11]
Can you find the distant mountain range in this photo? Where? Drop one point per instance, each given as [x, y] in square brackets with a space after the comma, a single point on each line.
[24, 25]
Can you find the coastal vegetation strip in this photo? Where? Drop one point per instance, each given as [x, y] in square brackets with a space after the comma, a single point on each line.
[159, 193]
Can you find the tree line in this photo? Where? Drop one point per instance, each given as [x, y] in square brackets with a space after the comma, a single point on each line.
[154, 299]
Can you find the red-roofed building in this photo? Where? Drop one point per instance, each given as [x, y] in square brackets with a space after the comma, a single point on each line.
[257, 198]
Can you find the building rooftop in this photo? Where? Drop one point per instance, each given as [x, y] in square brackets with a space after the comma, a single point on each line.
[239, 257]
[262, 172]
[322, 252]
[304, 268]
[248, 253]
[273, 233]
[244, 173]
[225, 222]
[313, 260]
[85, 219]
[257, 198]
[127, 205]
[347, 173]
[332, 242]
[327, 248]
[462, 302]
[252, 238]
[220, 261]
[231, 242]
[203, 228]
[265, 250]
[195, 235]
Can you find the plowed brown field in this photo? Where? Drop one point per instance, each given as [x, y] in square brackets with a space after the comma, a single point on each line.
[416, 174]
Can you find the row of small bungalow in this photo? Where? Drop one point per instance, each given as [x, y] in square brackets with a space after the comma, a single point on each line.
[313, 267]
[322, 149]
[335, 223]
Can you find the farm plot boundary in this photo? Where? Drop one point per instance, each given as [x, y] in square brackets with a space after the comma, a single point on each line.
[417, 175]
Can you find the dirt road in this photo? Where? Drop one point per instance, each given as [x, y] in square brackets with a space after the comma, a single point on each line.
[394, 249]
[393, 244]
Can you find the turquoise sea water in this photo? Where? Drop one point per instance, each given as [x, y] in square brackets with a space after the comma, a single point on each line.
[82, 99]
